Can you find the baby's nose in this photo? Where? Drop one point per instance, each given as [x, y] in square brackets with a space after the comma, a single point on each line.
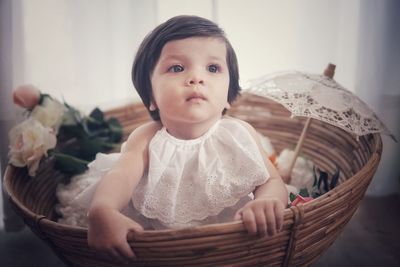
[195, 77]
[196, 81]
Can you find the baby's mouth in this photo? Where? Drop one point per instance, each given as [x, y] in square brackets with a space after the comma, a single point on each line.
[196, 97]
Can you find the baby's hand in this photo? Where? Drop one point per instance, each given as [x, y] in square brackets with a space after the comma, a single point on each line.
[262, 216]
[108, 230]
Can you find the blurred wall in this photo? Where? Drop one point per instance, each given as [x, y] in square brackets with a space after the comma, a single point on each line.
[303, 35]
[378, 82]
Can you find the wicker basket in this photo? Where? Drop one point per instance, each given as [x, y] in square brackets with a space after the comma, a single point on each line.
[308, 230]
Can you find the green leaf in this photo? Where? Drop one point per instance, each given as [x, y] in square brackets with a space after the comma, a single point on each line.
[116, 131]
[94, 124]
[100, 132]
[292, 197]
[315, 176]
[97, 114]
[85, 126]
[69, 164]
[335, 178]
[70, 131]
[323, 179]
[89, 147]
[114, 122]
[304, 192]
[315, 192]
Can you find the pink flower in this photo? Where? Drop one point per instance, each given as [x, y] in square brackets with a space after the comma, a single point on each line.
[26, 96]
[300, 200]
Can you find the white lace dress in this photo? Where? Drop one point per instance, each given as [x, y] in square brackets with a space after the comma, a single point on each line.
[189, 182]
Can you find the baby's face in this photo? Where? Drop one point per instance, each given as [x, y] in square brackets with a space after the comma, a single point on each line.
[191, 80]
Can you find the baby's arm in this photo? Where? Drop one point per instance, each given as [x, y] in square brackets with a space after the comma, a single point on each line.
[264, 214]
[108, 228]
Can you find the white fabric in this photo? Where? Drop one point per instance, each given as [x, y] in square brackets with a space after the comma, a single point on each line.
[189, 182]
[75, 197]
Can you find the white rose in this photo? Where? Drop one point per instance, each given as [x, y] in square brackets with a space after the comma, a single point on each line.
[302, 174]
[49, 113]
[29, 142]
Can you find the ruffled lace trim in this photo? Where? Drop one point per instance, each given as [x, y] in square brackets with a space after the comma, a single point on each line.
[209, 210]
[233, 170]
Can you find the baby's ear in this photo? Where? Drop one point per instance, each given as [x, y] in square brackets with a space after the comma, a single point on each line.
[227, 105]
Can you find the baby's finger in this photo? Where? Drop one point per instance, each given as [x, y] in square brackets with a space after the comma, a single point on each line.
[249, 221]
[238, 215]
[261, 222]
[279, 217]
[115, 255]
[271, 222]
[126, 251]
[135, 227]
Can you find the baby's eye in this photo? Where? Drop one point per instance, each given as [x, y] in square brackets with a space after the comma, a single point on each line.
[213, 68]
[175, 68]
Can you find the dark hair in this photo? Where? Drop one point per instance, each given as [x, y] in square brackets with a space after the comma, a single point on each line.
[177, 28]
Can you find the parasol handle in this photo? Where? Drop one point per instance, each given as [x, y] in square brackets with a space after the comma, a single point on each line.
[297, 149]
[328, 72]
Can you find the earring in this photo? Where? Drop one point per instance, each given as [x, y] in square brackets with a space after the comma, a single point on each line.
[152, 107]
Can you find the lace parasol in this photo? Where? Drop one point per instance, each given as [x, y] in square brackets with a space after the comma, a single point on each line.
[319, 97]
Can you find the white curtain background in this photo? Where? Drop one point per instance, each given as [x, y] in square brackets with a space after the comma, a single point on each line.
[82, 51]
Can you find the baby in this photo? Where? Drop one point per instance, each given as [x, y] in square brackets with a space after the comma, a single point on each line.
[192, 165]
